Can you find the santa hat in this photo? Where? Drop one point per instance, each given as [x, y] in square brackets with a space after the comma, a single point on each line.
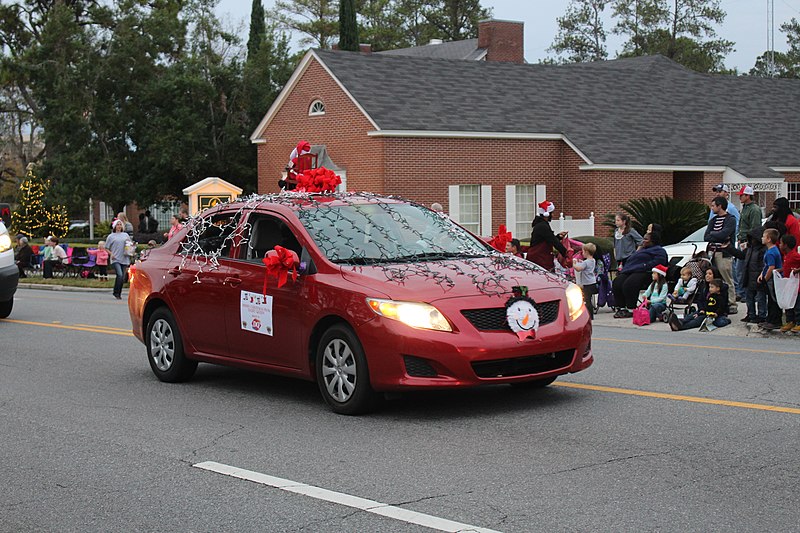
[545, 208]
[303, 146]
[660, 269]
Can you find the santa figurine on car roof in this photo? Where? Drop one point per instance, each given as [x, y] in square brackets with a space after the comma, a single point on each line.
[289, 183]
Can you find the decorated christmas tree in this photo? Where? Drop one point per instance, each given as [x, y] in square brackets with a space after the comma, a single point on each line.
[34, 217]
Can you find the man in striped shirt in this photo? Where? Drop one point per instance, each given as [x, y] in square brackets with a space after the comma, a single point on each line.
[721, 237]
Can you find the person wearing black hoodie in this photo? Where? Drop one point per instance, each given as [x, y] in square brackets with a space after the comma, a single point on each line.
[543, 240]
[752, 264]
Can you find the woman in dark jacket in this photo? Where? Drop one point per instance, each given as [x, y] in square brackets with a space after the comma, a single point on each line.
[637, 273]
[543, 240]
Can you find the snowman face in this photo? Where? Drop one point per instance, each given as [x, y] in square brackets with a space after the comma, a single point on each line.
[522, 316]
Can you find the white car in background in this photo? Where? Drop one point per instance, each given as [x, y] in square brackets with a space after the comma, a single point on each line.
[9, 273]
[684, 250]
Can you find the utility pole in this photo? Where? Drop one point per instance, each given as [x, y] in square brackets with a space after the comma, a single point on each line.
[771, 36]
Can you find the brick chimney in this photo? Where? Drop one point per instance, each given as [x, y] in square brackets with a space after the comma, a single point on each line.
[502, 39]
[365, 48]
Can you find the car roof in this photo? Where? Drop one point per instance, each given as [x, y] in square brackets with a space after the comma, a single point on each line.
[300, 201]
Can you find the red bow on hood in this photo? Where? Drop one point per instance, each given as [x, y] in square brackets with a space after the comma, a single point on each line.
[278, 262]
[503, 238]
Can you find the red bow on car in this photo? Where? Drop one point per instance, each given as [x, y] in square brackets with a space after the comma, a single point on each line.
[278, 262]
[318, 179]
[503, 238]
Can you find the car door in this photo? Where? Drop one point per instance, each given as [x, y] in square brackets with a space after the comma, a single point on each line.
[267, 326]
[199, 273]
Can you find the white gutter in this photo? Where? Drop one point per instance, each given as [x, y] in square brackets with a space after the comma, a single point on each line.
[445, 134]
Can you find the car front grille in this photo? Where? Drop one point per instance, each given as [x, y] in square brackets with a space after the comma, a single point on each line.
[521, 366]
[494, 318]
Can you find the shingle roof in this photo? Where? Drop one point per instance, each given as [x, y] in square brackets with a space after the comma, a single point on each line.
[466, 49]
[641, 111]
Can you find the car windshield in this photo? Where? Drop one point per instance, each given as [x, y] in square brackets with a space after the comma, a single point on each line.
[696, 236]
[372, 233]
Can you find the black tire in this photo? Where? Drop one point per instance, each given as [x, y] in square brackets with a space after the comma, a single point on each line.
[342, 372]
[535, 384]
[5, 308]
[165, 348]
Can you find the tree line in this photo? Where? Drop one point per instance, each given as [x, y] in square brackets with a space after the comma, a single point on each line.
[682, 30]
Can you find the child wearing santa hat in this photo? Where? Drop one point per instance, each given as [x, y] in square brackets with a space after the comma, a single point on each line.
[543, 240]
[657, 292]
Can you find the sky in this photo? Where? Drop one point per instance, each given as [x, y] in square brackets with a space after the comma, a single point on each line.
[745, 24]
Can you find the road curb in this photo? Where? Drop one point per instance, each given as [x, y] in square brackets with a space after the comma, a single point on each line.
[64, 288]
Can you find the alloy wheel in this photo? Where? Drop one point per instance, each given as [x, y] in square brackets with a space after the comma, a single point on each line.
[339, 370]
[162, 344]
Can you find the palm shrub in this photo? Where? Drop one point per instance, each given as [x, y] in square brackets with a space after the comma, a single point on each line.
[678, 218]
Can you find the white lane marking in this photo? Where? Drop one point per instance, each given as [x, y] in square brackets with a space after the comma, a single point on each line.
[369, 506]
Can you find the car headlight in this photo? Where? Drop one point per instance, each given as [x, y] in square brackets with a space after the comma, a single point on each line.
[574, 301]
[416, 315]
[5, 242]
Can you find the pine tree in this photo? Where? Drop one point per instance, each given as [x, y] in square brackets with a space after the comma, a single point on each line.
[34, 217]
[348, 27]
[258, 28]
[581, 35]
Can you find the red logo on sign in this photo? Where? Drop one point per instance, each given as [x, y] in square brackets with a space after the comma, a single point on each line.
[256, 324]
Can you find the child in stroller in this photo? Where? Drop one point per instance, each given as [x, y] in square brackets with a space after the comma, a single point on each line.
[681, 299]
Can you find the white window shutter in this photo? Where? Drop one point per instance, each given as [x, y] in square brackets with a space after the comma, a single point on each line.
[452, 211]
[541, 193]
[486, 210]
[511, 208]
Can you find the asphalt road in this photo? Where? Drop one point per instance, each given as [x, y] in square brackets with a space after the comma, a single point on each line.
[91, 441]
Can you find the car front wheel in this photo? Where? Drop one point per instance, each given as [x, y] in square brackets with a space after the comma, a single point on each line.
[5, 308]
[342, 373]
[165, 349]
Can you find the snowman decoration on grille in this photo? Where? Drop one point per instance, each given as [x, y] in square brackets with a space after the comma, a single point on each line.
[521, 314]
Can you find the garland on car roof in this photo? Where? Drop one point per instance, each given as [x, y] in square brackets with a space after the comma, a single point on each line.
[489, 277]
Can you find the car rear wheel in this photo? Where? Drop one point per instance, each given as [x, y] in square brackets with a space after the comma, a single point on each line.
[5, 308]
[342, 373]
[165, 349]
[535, 384]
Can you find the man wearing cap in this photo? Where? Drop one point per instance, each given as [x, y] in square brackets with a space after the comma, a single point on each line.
[749, 220]
[723, 190]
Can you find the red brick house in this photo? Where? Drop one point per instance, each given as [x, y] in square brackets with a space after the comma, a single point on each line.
[471, 126]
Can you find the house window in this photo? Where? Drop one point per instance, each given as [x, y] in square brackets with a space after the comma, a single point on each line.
[316, 108]
[794, 196]
[469, 207]
[525, 205]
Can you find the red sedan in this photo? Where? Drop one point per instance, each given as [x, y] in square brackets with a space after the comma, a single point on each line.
[362, 293]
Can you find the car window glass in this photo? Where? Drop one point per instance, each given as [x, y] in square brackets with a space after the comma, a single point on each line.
[697, 236]
[263, 233]
[385, 232]
[212, 235]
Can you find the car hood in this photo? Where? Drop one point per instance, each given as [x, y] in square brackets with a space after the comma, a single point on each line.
[430, 281]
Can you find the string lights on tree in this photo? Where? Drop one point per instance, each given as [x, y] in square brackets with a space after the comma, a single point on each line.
[34, 217]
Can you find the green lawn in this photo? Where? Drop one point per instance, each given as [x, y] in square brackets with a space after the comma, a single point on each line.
[71, 282]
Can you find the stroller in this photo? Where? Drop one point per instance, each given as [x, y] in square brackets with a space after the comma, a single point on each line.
[686, 306]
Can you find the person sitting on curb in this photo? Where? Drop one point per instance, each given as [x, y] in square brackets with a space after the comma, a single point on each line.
[715, 308]
[656, 293]
[636, 273]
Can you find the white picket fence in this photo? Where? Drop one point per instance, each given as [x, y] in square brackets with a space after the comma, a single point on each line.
[575, 227]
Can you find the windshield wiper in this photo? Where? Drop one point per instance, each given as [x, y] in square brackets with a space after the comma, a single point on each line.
[358, 261]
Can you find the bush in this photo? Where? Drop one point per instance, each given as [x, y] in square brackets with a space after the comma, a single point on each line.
[102, 229]
[678, 218]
